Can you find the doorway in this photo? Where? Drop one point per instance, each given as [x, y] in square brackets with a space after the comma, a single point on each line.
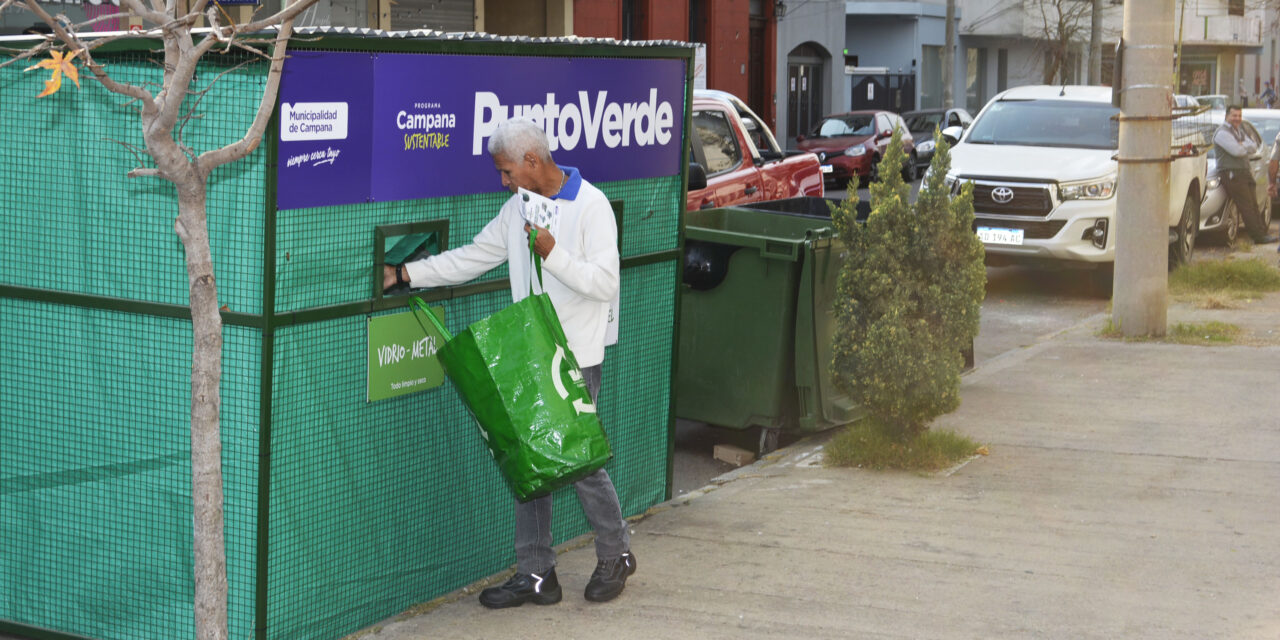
[805, 99]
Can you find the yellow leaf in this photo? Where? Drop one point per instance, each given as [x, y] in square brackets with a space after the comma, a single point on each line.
[51, 85]
[982, 451]
[70, 69]
[59, 65]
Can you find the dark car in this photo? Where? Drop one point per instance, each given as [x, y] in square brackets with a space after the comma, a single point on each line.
[922, 124]
[852, 144]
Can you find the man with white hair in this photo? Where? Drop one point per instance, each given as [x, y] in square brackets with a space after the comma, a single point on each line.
[581, 268]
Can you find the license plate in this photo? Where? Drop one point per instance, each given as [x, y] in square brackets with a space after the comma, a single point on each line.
[826, 168]
[996, 235]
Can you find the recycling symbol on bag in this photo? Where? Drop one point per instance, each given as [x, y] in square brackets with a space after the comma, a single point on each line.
[557, 366]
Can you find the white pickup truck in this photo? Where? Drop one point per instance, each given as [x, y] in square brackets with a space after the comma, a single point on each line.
[1042, 160]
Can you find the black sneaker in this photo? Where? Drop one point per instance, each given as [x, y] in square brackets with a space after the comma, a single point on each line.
[610, 577]
[522, 588]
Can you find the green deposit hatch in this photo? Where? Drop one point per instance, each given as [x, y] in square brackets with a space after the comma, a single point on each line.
[341, 510]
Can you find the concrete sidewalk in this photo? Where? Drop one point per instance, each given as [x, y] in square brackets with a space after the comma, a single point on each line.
[1132, 491]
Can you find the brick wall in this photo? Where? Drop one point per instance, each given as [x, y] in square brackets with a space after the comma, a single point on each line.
[597, 18]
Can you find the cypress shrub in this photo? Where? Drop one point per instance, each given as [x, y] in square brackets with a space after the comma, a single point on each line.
[910, 293]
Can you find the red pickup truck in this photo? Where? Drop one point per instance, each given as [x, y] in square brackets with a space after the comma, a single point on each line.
[739, 160]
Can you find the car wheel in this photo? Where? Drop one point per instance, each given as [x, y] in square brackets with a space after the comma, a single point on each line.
[1230, 223]
[1264, 210]
[909, 168]
[1185, 235]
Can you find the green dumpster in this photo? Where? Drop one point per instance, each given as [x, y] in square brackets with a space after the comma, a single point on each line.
[756, 319]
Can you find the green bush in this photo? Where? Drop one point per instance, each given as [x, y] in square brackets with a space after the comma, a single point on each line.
[1251, 277]
[867, 444]
[909, 299]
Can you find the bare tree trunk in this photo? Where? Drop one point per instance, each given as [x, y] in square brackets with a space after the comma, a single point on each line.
[206, 405]
[1095, 44]
[948, 58]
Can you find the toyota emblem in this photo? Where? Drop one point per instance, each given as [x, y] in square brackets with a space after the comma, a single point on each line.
[1002, 195]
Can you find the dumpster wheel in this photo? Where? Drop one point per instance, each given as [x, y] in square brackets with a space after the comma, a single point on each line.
[768, 440]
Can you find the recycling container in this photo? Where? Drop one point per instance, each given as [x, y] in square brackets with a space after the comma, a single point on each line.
[756, 318]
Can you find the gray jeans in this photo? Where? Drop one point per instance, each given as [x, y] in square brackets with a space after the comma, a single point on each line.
[599, 502]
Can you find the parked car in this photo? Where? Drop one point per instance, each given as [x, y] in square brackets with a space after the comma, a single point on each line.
[1217, 213]
[1267, 122]
[852, 144]
[735, 158]
[1216, 101]
[1042, 160]
[922, 124]
[1185, 101]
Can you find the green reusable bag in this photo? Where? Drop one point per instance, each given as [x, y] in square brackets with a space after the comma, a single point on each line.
[518, 378]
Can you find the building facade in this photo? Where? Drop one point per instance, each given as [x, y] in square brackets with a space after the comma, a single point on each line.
[793, 61]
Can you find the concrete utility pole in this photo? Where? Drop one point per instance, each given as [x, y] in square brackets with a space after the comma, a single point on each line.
[1141, 285]
[1095, 43]
[949, 58]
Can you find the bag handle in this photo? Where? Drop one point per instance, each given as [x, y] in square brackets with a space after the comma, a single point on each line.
[417, 302]
[537, 260]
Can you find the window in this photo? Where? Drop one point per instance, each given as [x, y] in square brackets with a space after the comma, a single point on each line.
[1002, 69]
[1068, 68]
[855, 125]
[719, 144]
[925, 122]
[975, 86]
[931, 77]
[1048, 123]
[1235, 7]
[756, 133]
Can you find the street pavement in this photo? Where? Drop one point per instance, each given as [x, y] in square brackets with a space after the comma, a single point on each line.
[1132, 490]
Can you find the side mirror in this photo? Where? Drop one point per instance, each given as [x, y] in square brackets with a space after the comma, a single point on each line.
[884, 135]
[952, 134]
[697, 177]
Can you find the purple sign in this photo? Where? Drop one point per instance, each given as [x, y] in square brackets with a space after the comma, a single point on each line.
[358, 128]
[325, 128]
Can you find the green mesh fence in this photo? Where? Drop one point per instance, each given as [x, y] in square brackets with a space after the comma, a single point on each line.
[370, 507]
[95, 471]
[74, 222]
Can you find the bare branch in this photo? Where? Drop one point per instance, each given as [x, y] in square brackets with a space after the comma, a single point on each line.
[199, 7]
[103, 18]
[200, 94]
[28, 54]
[281, 17]
[145, 173]
[71, 40]
[243, 44]
[136, 8]
[253, 137]
[97, 43]
[132, 149]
